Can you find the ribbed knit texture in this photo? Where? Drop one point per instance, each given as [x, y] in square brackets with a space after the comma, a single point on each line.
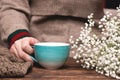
[18, 34]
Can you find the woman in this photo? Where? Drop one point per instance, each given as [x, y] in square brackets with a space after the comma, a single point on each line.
[26, 22]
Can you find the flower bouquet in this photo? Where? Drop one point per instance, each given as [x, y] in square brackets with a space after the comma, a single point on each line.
[101, 53]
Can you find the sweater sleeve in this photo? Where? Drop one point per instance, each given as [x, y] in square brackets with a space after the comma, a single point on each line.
[15, 16]
[18, 34]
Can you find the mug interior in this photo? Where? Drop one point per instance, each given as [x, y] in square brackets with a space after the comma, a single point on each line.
[52, 44]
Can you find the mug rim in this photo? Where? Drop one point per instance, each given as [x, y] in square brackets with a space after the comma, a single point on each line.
[52, 44]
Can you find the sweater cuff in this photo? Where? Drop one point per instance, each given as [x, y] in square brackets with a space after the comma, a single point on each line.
[18, 34]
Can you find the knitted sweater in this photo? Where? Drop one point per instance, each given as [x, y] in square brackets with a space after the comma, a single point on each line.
[28, 15]
[10, 66]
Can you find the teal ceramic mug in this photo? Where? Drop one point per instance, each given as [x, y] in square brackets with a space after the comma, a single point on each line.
[51, 55]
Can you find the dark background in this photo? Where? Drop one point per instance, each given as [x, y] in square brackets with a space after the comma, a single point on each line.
[112, 4]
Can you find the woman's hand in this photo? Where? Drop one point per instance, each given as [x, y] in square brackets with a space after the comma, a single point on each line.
[22, 48]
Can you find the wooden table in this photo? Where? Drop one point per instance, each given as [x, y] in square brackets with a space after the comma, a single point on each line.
[70, 71]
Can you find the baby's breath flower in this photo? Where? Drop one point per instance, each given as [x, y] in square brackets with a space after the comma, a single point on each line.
[99, 53]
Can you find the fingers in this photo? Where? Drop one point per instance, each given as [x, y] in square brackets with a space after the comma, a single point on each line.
[23, 55]
[14, 51]
[26, 47]
[33, 41]
[22, 48]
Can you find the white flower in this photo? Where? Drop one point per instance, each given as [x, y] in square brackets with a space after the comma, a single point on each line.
[99, 53]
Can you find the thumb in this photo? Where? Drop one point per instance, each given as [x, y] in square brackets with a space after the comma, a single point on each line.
[33, 41]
